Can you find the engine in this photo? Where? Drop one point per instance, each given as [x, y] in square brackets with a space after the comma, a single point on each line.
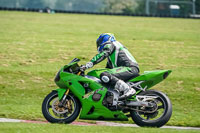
[110, 100]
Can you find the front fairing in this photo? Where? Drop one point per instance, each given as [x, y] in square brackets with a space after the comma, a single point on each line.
[66, 71]
[67, 80]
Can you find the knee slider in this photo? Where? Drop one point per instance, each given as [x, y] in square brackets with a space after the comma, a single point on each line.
[105, 77]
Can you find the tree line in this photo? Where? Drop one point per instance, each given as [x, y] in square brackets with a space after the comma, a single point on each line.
[109, 6]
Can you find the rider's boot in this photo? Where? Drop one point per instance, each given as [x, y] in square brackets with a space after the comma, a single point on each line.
[121, 86]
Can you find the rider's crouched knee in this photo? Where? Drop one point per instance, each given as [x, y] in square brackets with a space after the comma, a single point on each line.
[105, 77]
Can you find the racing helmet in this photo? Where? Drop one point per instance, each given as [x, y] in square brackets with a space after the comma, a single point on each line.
[103, 40]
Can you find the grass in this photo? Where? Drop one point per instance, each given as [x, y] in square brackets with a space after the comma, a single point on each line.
[33, 46]
[57, 128]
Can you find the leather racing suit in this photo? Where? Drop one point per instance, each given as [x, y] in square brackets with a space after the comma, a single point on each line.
[122, 65]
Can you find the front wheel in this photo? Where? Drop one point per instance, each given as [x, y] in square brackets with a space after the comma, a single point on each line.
[54, 112]
[156, 116]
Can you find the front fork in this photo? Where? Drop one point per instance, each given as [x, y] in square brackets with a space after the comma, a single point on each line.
[62, 95]
[63, 100]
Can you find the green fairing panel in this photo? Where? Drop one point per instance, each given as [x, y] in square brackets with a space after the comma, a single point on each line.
[73, 82]
[96, 73]
[151, 78]
[118, 70]
[94, 110]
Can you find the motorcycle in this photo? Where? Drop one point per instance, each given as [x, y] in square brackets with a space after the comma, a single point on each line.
[84, 95]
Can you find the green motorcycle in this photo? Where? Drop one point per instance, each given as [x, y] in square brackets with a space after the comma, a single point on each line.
[85, 96]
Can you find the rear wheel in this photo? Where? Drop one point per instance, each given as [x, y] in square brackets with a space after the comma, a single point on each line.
[156, 116]
[54, 112]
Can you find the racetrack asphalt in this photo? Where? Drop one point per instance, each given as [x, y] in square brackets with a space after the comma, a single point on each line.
[102, 123]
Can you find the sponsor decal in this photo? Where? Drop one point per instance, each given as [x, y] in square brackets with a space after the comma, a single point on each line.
[92, 92]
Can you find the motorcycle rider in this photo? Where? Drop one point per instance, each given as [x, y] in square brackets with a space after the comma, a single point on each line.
[122, 65]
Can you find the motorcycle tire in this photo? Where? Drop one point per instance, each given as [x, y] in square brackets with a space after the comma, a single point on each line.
[136, 117]
[50, 118]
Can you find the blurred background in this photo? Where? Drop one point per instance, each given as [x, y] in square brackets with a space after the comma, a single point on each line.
[162, 8]
[34, 46]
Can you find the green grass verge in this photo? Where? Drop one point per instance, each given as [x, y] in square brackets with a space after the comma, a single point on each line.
[34, 46]
[58, 128]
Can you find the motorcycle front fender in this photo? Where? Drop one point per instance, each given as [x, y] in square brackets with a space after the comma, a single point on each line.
[61, 92]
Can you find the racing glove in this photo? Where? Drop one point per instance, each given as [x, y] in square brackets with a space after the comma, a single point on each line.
[86, 66]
